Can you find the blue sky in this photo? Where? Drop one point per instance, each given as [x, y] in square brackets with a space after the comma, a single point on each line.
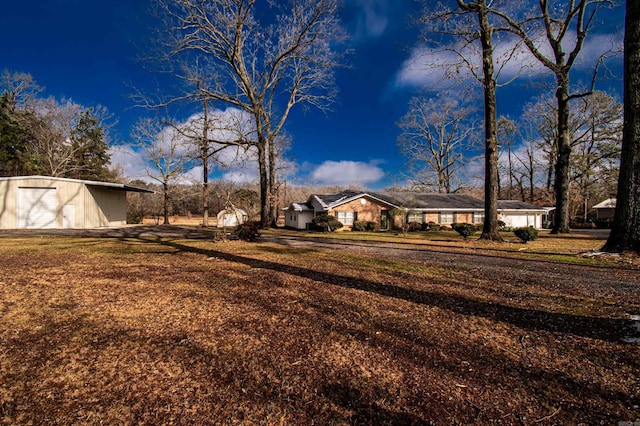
[86, 50]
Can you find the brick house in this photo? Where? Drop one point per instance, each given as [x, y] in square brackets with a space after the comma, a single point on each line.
[444, 209]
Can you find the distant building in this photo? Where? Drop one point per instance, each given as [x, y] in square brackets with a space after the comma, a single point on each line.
[231, 217]
[606, 209]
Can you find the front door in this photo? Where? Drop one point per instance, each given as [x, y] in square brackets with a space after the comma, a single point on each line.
[384, 220]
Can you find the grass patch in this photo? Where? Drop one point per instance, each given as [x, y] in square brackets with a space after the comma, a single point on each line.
[159, 331]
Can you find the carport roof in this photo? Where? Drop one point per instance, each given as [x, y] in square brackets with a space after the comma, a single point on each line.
[110, 185]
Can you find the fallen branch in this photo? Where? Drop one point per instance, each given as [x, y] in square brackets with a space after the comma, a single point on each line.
[549, 416]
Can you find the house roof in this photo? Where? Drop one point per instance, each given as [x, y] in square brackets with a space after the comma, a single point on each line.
[431, 201]
[299, 207]
[333, 200]
[110, 185]
[414, 201]
[609, 203]
[518, 205]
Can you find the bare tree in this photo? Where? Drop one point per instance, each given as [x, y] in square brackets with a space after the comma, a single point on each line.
[473, 24]
[625, 231]
[506, 140]
[209, 135]
[539, 123]
[435, 135]
[264, 68]
[163, 155]
[21, 88]
[68, 140]
[596, 129]
[564, 25]
[525, 169]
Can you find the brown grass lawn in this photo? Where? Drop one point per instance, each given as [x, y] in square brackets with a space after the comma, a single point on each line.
[158, 331]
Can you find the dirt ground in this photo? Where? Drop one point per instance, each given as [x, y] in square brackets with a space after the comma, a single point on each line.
[161, 325]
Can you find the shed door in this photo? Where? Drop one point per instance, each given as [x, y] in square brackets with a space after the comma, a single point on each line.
[69, 216]
[37, 208]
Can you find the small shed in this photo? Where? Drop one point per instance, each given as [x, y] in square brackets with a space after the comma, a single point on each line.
[44, 202]
[606, 209]
[231, 217]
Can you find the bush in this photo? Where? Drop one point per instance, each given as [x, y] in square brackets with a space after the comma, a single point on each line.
[464, 229]
[414, 226]
[359, 226]
[134, 215]
[326, 223]
[502, 227]
[362, 226]
[249, 231]
[432, 226]
[526, 234]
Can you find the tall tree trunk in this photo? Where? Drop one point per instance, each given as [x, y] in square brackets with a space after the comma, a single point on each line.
[165, 203]
[561, 222]
[273, 187]
[625, 231]
[205, 167]
[490, 227]
[264, 183]
[205, 194]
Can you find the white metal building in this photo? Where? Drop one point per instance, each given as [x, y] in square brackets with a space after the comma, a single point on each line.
[43, 202]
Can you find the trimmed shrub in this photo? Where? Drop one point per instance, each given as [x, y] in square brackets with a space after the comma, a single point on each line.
[432, 226]
[526, 234]
[326, 223]
[414, 226]
[364, 225]
[359, 226]
[502, 227]
[249, 231]
[464, 229]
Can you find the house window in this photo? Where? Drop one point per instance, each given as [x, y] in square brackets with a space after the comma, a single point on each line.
[415, 217]
[447, 218]
[346, 218]
[478, 217]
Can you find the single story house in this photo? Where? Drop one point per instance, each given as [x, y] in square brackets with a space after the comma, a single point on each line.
[444, 209]
[231, 217]
[43, 202]
[606, 209]
[347, 206]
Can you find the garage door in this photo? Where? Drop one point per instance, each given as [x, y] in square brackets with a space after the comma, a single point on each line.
[37, 208]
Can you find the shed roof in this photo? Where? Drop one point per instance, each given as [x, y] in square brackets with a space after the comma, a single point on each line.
[110, 185]
[609, 203]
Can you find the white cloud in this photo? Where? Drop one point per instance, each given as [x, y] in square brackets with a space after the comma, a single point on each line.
[345, 173]
[433, 67]
[226, 125]
[373, 20]
[127, 158]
